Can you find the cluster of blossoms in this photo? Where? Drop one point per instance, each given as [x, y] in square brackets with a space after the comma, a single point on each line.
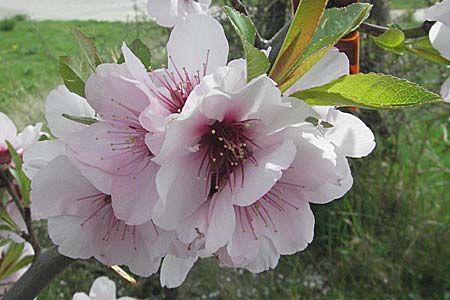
[440, 36]
[191, 160]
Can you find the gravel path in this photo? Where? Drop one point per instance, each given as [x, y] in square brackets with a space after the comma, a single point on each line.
[101, 10]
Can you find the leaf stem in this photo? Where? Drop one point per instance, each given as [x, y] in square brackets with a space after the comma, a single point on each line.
[411, 33]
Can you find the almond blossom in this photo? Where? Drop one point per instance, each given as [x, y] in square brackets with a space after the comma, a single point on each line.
[102, 289]
[82, 222]
[113, 152]
[8, 132]
[254, 207]
[439, 36]
[168, 12]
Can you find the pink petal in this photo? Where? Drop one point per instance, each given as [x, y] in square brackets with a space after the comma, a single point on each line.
[134, 196]
[221, 223]
[62, 101]
[180, 190]
[190, 42]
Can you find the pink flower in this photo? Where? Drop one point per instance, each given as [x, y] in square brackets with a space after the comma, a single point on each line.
[225, 148]
[255, 209]
[83, 224]
[102, 289]
[168, 12]
[197, 47]
[8, 132]
[113, 152]
[59, 101]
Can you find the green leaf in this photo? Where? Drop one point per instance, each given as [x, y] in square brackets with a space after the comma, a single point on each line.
[72, 79]
[22, 263]
[22, 180]
[334, 25]
[88, 48]
[299, 36]
[242, 25]
[11, 256]
[257, 61]
[423, 48]
[368, 91]
[390, 39]
[141, 51]
[82, 120]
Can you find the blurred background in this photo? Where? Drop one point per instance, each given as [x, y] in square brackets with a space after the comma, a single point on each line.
[387, 239]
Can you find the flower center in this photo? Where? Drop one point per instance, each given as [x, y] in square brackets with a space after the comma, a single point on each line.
[178, 85]
[227, 148]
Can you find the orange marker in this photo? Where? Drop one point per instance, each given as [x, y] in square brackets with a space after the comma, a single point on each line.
[349, 44]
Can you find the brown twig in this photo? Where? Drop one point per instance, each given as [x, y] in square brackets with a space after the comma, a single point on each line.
[30, 235]
[416, 32]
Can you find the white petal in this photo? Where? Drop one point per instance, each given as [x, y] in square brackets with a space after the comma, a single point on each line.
[332, 66]
[103, 289]
[174, 270]
[27, 137]
[221, 223]
[192, 39]
[352, 137]
[40, 154]
[57, 186]
[439, 12]
[440, 38]
[165, 12]
[8, 131]
[259, 179]
[62, 101]
[80, 296]
[73, 239]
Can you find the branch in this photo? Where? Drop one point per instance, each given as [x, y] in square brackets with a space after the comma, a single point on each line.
[240, 7]
[43, 270]
[30, 235]
[416, 32]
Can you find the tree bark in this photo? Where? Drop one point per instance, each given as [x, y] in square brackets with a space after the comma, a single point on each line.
[43, 270]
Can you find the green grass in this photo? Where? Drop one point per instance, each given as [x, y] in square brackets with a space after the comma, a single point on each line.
[387, 239]
[29, 57]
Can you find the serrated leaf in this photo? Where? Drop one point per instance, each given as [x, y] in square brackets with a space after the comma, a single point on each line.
[72, 79]
[334, 25]
[299, 36]
[257, 61]
[423, 48]
[390, 39]
[81, 120]
[88, 48]
[368, 91]
[242, 25]
[22, 180]
[141, 51]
